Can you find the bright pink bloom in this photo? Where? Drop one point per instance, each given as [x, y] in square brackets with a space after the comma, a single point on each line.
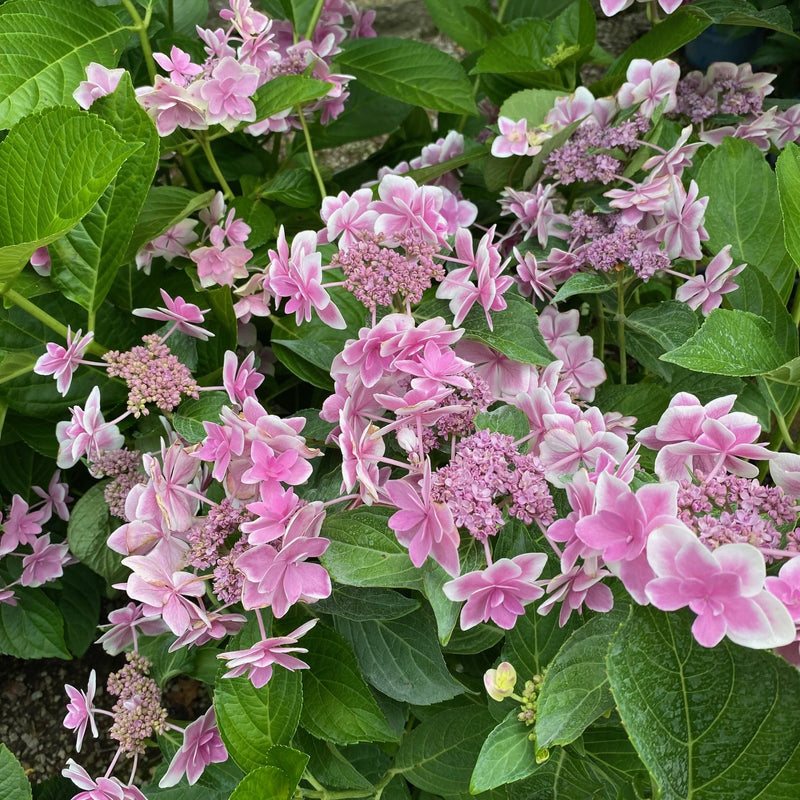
[172, 106]
[421, 524]
[202, 745]
[256, 661]
[228, 93]
[80, 711]
[405, 208]
[499, 592]
[179, 65]
[63, 362]
[45, 563]
[272, 514]
[786, 587]
[87, 433]
[21, 527]
[724, 587]
[682, 225]
[99, 82]
[650, 84]
[55, 497]
[706, 289]
[102, 788]
[186, 316]
[286, 467]
[240, 381]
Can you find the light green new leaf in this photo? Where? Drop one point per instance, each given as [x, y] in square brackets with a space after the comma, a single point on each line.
[531, 105]
[337, 703]
[414, 72]
[507, 755]
[86, 260]
[401, 658]
[45, 46]
[744, 210]
[13, 782]
[264, 782]
[735, 343]
[54, 166]
[788, 172]
[788, 373]
[709, 723]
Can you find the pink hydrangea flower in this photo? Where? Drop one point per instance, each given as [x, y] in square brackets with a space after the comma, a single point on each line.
[87, 433]
[62, 362]
[186, 316]
[179, 65]
[499, 592]
[55, 497]
[80, 711]
[40, 261]
[102, 788]
[228, 93]
[705, 290]
[786, 587]
[240, 380]
[45, 563]
[513, 139]
[785, 471]
[650, 83]
[99, 82]
[724, 587]
[611, 7]
[220, 266]
[202, 745]
[172, 106]
[256, 661]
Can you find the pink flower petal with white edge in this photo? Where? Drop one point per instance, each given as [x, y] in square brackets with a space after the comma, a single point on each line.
[672, 546]
[709, 629]
[666, 593]
[745, 561]
[759, 622]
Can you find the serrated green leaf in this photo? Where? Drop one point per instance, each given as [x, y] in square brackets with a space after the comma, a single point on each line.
[439, 754]
[410, 71]
[45, 46]
[656, 329]
[506, 419]
[531, 105]
[264, 782]
[787, 171]
[87, 533]
[366, 604]
[453, 18]
[575, 690]
[735, 343]
[328, 765]
[702, 725]
[13, 782]
[33, 628]
[744, 210]
[54, 166]
[737, 12]
[337, 704]
[507, 755]
[582, 283]
[291, 761]
[191, 414]
[85, 261]
[287, 91]
[401, 658]
[365, 552]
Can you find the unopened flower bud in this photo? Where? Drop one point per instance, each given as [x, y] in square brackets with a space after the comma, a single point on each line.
[500, 682]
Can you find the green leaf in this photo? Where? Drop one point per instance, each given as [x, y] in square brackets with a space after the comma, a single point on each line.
[191, 414]
[329, 766]
[337, 703]
[287, 91]
[291, 761]
[264, 782]
[787, 171]
[365, 552]
[401, 658]
[788, 373]
[13, 781]
[515, 330]
[700, 722]
[736, 12]
[575, 690]
[164, 207]
[79, 604]
[293, 187]
[166, 664]
[13, 365]
[507, 755]
[410, 71]
[45, 46]
[86, 260]
[531, 105]
[745, 211]
[583, 283]
[363, 604]
[506, 419]
[439, 754]
[54, 166]
[656, 329]
[252, 720]
[734, 343]
[452, 18]
[34, 628]
[87, 533]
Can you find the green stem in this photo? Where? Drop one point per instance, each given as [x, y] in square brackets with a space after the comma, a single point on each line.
[171, 14]
[202, 139]
[779, 418]
[623, 357]
[140, 26]
[501, 11]
[796, 306]
[45, 318]
[311, 158]
[187, 168]
[312, 23]
[652, 13]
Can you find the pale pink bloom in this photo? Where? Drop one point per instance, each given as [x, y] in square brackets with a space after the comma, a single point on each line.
[569, 109]
[221, 266]
[500, 592]
[724, 587]
[676, 159]
[240, 381]
[216, 42]
[534, 211]
[439, 364]
[55, 497]
[423, 525]
[99, 82]
[102, 788]
[87, 433]
[221, 444]
[167, 483]
[202, 745]
[247, 21]
[186, 316]
[648, 197]
[362, 448]
[80, 711]
[40, 261]
[650, 83]
[786, 587]
[500, 682]
[256, 661]
[347, 216]
[682, 222]
[506, 377]
[513, 139]
[705, 290]
[62, 362]
[179, 65]
[785, 471]
[122, 626]
[787, 128]
[45, 563]
[272, 514]
[611, 7]
[533, 280]
[172, 106]
[171, 244]
[228, 92]
[579, 367]
[22, 525]
[213, 627]
[405, 208]
[761, 131]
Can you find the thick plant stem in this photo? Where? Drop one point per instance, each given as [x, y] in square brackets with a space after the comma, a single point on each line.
[652, 13]
[312, 23]
[623, 356]
[311, 157]
[140, 26]
[45, 318]
[202, 139]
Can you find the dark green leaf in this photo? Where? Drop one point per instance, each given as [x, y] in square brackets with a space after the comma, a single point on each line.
[506, 419]
[79, 604]
[329, 766]
[362, 604]
[453, 19]
[34, 628]
[287, 91]
[788, 174]
[191, 414]
[582, 283]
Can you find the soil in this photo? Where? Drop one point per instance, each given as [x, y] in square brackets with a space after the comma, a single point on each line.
[32, 692]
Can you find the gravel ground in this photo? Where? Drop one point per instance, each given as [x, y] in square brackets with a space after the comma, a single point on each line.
[32, 692]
